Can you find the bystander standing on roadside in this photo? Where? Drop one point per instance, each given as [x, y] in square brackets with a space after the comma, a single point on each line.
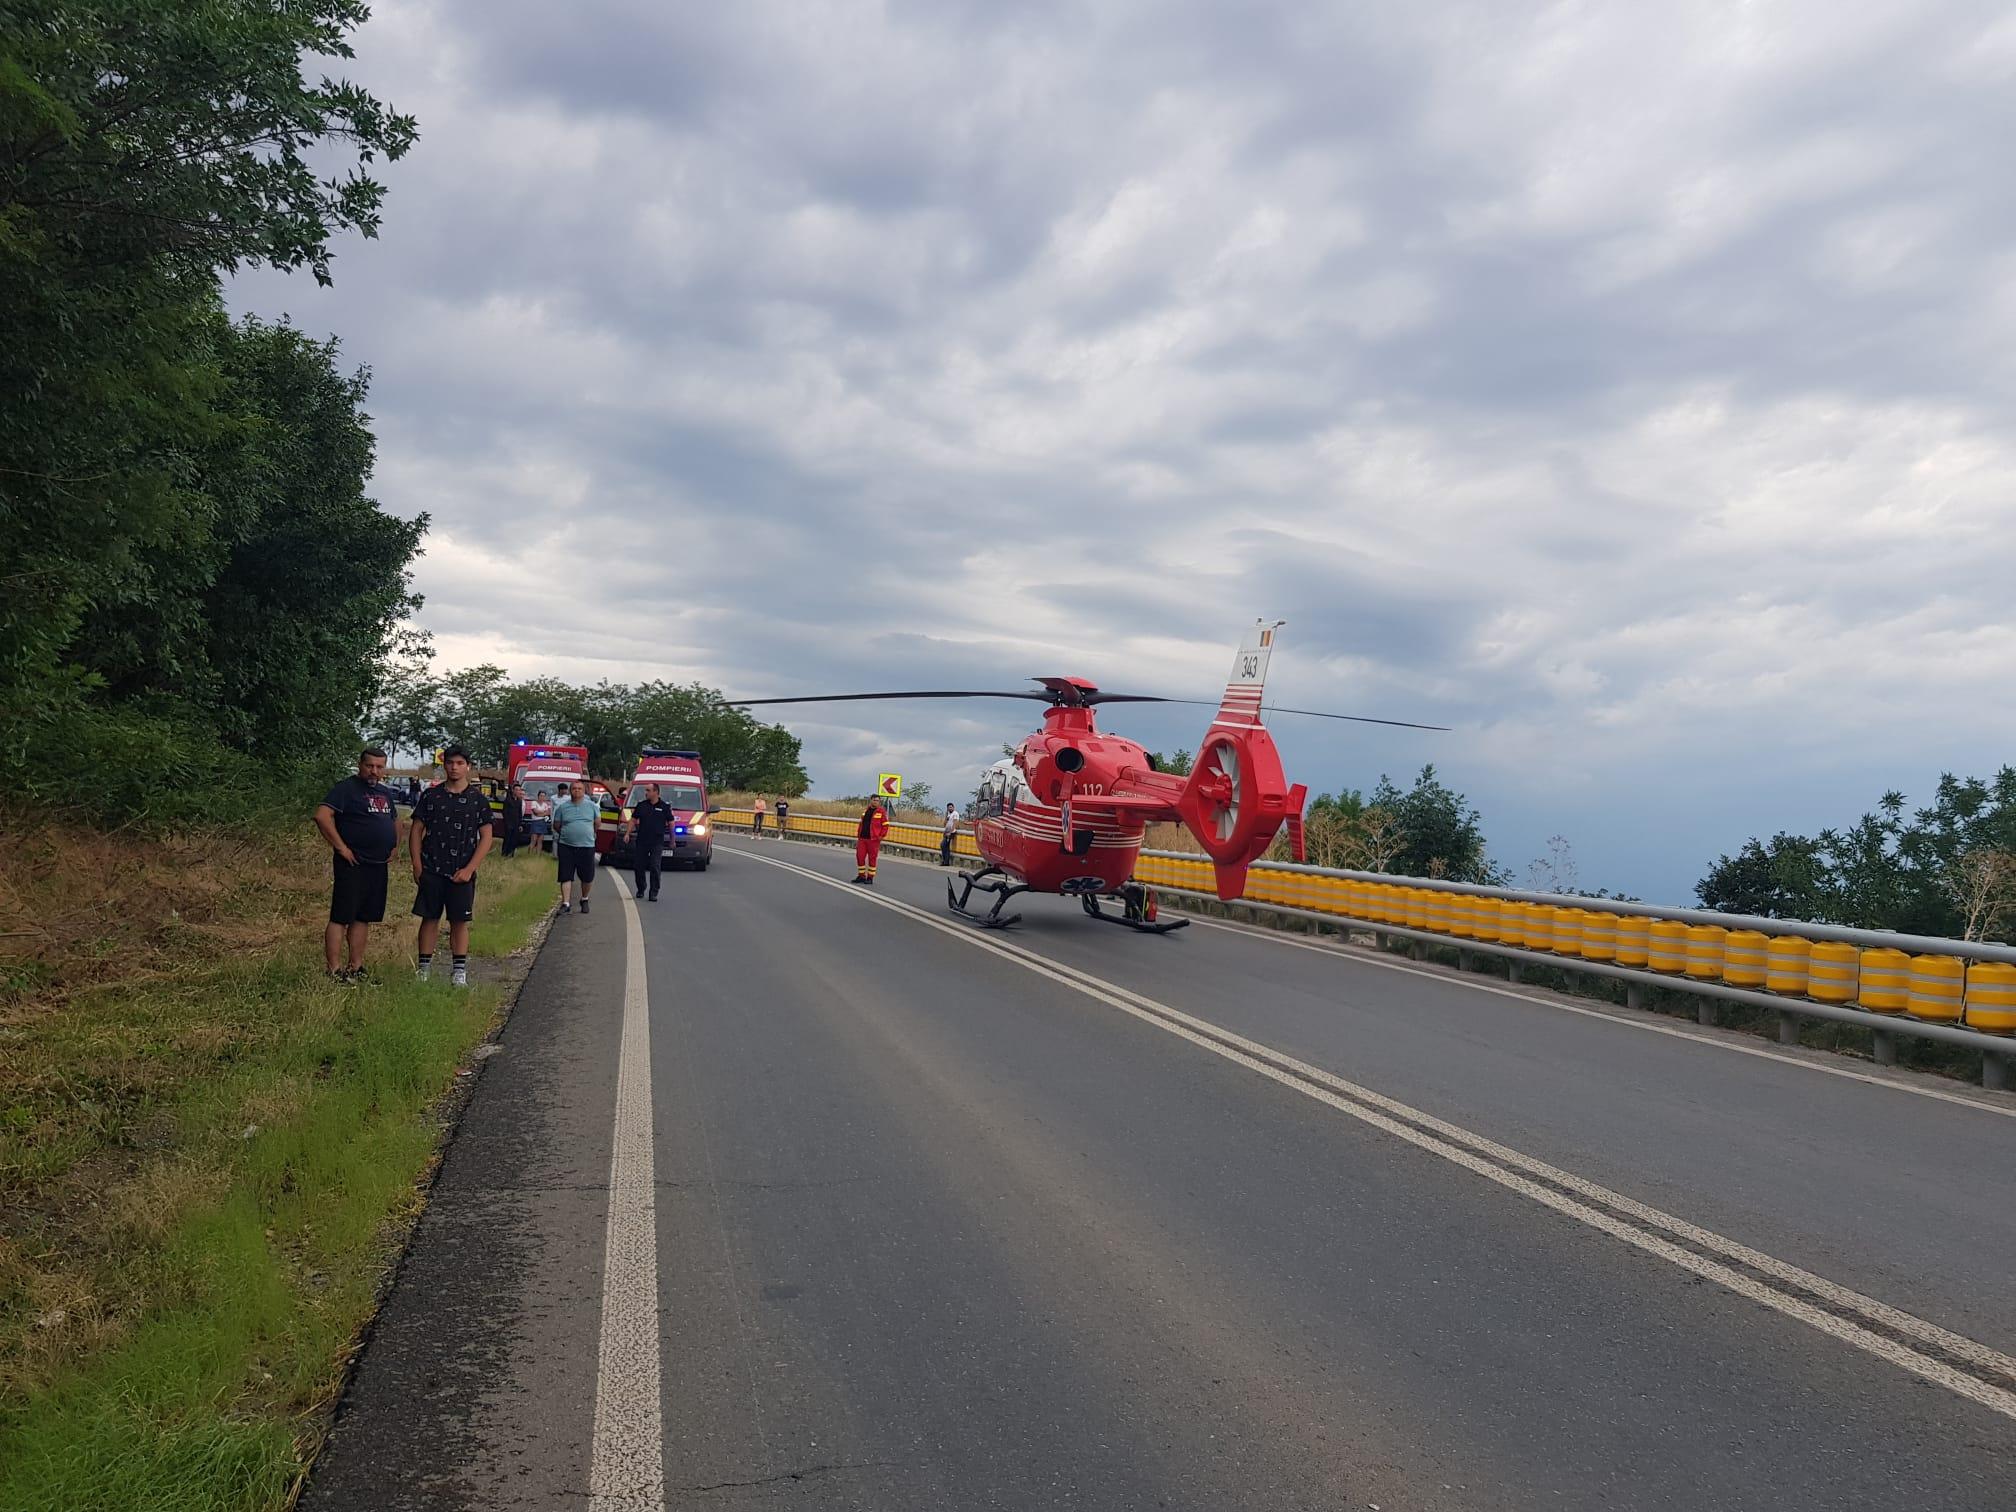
[513, 820]
[360, 821]
[574, 842]
[649, 823]
[783, 816]
[447, 841]
[951, 834]
[758, 808]
[539, 820]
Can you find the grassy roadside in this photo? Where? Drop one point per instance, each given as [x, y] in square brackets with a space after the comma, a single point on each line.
[208, 1155]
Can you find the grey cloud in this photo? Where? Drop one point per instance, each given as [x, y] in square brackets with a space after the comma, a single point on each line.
[1639, 412]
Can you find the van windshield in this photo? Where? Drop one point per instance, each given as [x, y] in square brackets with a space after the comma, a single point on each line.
[677, 794]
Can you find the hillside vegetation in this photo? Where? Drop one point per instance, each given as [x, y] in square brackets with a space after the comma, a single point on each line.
[209, 1152]
[199, 592]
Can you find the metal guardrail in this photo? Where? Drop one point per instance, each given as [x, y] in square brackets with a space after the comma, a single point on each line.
[923, 837]
[1960, 992]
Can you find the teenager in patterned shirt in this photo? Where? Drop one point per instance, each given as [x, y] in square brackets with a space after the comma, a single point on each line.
[447, 841]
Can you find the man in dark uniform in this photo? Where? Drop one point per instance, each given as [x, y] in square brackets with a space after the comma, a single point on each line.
[361, 824]
[650, 822]
[447, 841]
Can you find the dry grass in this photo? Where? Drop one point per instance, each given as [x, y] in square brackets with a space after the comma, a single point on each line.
[80, 909]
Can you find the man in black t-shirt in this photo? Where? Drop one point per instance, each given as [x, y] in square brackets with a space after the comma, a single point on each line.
[361, 824]
[447, 841]
[650, 822]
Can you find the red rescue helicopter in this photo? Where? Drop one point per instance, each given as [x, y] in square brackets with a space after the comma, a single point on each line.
[1066, 813]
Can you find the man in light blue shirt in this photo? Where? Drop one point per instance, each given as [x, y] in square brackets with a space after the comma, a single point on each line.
[574, 842]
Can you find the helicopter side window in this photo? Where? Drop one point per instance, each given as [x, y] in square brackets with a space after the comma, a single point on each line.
[996, 795]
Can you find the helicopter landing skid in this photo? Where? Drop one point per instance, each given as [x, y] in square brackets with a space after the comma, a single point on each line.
[1130, 915]
[988, 880]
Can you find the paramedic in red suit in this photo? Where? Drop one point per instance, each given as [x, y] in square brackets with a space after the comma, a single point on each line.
[868, 842]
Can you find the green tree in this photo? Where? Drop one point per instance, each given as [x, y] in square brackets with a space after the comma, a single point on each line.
[295, 657]
[148, 448]
[1441, 835]
[1786, 878]
[1946, 869]
[1176, 763]
[403, 714]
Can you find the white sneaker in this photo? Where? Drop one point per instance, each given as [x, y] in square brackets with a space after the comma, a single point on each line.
[459, 977]
[426, 970]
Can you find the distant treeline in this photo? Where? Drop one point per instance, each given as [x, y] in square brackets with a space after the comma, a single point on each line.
[1947, 870]
[1425, 830]
[483, 711]
[198, 596]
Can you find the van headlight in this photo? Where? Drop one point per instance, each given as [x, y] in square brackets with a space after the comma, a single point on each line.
[696, 829]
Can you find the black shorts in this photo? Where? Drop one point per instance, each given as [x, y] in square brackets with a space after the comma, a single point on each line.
[357, 892]
[577, 861]
[437, 895]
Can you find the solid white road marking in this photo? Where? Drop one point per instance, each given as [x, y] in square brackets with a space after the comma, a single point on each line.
[626, 1471]
[1464, 1148]
[1354, 955]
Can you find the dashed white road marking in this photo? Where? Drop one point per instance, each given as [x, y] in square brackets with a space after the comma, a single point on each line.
[626, 1469]
[1570, 1195]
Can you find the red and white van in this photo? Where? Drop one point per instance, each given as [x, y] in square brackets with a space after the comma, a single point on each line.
[683, 785]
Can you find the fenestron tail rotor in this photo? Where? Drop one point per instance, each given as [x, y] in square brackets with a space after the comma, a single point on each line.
[1222, 761]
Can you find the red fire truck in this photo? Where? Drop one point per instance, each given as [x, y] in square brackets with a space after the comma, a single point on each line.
[546, 772]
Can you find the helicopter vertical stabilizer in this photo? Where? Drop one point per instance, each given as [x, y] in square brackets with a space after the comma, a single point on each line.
[1247, 685]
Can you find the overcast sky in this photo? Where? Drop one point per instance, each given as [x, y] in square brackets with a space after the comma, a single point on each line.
[1627, 386]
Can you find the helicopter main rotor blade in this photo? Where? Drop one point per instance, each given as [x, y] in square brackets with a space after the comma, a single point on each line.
[744, 703]
[1086, 699]
[1206, 703]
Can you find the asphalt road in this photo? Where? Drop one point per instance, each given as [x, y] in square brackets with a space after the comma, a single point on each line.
[925, 1218]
